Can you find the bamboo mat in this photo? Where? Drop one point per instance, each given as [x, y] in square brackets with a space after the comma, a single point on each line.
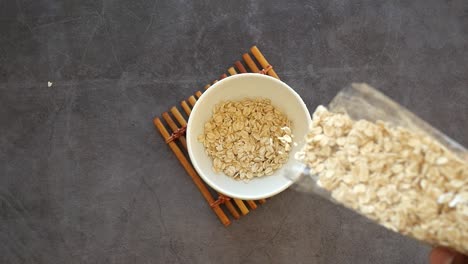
[173, 131]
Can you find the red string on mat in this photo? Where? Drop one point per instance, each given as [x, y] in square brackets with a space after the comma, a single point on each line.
[221, 199]
[266, 70]
[177, 134]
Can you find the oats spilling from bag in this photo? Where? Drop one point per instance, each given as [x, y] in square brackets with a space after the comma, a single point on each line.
[404, 180]
[247, 138]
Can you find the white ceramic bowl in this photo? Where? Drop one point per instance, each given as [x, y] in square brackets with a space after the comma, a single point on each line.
[238, 87]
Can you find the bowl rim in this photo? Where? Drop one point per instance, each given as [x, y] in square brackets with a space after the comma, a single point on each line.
[193, 160]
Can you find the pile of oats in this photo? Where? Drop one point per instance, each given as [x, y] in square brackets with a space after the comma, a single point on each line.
[404, 180]
[247, 138]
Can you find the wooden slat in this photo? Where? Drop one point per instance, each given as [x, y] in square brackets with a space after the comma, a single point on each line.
[198, 94]
[192, 173]
[240, 67]
[174, 127]
[261, 201]
[240, 204]
[263, 62]
[250, 63]
[232, 71]
[192, 100]
[252, 204]
[186, 107]
[178, 116]
[232, 209]
[223, 76]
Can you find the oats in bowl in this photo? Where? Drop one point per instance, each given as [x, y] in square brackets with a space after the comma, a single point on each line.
[247, 138]
[237, 88]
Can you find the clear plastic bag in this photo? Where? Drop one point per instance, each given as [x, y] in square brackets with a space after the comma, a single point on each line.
[362, 102]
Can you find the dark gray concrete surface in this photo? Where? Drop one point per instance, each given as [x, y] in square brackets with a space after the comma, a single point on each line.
[84, 178]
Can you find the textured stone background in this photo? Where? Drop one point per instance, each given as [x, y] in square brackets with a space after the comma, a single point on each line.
[84, 178]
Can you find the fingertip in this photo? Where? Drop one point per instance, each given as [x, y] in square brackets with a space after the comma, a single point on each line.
[440, 255]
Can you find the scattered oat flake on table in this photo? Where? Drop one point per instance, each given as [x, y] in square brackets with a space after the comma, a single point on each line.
[49, 84]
